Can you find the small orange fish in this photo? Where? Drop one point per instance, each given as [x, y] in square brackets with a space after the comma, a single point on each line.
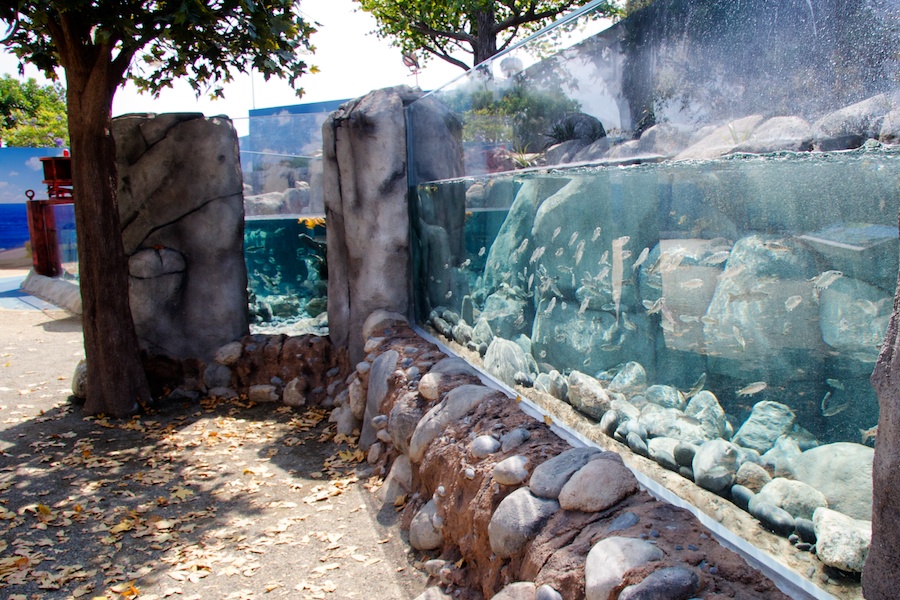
[869, 434]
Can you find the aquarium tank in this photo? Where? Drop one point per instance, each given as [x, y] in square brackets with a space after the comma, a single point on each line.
[284, 229]
[678, 234]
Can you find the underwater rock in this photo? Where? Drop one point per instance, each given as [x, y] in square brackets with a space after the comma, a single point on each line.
[671, 422]
[423, 535]
[587, 395]
[670, 583]
[553, 383]
[778, 134]
[782, 455]
[842, 542]
[767, 422]
[763, 312]
[591, 339]
[662, 450]
[684, 453]
[843, 473]
[637, 444]
[722, 140]
[455, 405]
[715, 465]
[665, 396]
[517, 519]
[610, 559]
[462, 333]
[853, 317]
[805, 530]
[505, 358]
[742, 496]
[773, 518]
[511, 471]
[630, 380]
[503, 259]
[796, 497]
[549, 477]
[705, 407]
[482, 333]
[504, 311]
[852, 125]
[752, 476]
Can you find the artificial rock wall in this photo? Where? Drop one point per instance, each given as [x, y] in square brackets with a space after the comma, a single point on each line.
[367, 208]
[181, 208]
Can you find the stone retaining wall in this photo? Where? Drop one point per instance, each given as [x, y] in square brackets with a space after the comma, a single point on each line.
[503, 508]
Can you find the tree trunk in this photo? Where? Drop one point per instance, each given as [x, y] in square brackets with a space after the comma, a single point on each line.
[881, 574]
[116, 381]
[485, 35]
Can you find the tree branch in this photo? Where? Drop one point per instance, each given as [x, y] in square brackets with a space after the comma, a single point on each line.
[432, 33]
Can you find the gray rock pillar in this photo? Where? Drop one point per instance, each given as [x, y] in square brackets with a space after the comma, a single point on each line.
[881, 574]
[367, 211]
[181, 207]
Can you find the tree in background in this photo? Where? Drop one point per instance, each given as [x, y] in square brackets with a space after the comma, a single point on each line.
[481, 28]
[99, 44]
[32, 115]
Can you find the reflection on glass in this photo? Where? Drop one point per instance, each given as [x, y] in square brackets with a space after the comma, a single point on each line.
[692, 214]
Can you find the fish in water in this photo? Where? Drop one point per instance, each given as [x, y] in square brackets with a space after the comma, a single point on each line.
[835, 383]
[867, 306]
[617, 245]
[550, 307]
[537, 254]
[584, 305]
[738, 336]
[717, 258]
[559, 252]
[654, 307]
[754, 388]
[604, 259]
[792, 303]
[688, 318]
[709, 320]
[573, 238]
[823, 280]
[597, 233]
[732, 272]
[868, 434]
[627, 323]
[640, 259]
[555, 233]
[482, 250]
[697, 387]
[830, 407]
[692, 284]
[579, 252]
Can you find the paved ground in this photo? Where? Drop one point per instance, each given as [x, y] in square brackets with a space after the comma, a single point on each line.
[203, 501]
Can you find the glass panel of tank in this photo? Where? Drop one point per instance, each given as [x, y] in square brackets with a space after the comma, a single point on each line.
[685, 227]
[284, 229]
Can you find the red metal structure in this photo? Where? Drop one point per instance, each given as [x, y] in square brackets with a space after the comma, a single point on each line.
[41, 219]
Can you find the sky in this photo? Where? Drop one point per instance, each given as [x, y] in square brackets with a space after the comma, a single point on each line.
[351, 59]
